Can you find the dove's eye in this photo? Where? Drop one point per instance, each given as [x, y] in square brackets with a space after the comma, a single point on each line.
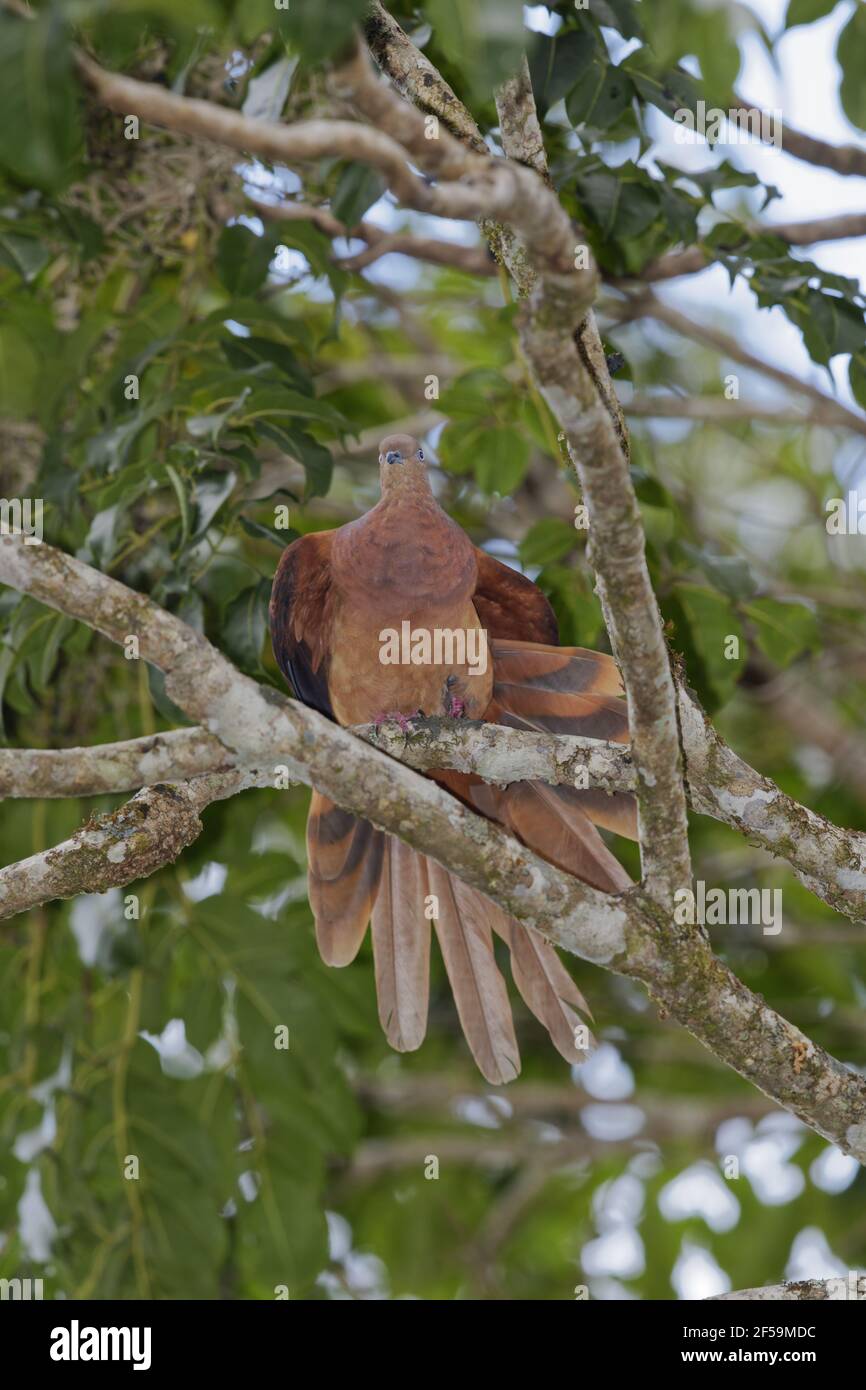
[420, 453]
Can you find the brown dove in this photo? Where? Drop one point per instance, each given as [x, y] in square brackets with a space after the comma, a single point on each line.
[396, 614]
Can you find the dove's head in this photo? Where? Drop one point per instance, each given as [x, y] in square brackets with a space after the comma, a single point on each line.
[401, 463]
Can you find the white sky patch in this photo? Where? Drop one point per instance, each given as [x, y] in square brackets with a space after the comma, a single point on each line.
[92, 917]
[812, 1258]
[339, 1235]
[619, 1202]
[486, 1112]
[289, 262]
[774, 1180]
[612, 1291]
[540, 20]
[612, 1122]
[366, 1275]
[833, 1171]
[700, 1191]
[248, 1185]
[177, 1057]
[605, 1075]
[697, 1274]
[36, 1226]
[210, 880]
[32, 1141]
[618, 1252]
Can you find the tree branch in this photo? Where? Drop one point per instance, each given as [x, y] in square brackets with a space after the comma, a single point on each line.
[828, 860]
[719, 410]
[109, 851]
[111, 767]
[817, 229]
[646, 305]
[474, 260]
[842, 159]
[470, 186]
[803, 1291]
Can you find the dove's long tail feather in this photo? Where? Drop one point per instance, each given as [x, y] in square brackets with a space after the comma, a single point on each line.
[545, 986]
[344, 858]
[401, 946]
[463, 927]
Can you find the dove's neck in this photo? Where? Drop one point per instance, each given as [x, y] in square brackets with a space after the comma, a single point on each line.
[404, 479]
[406, 552]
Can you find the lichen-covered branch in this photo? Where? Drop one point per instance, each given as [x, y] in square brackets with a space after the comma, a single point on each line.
[117, 848]
[829, 860]
[852, 1289]
[412, 74]
[616, 552]
[111, 767]
[630, 933]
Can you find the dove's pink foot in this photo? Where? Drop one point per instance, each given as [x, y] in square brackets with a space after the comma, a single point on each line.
[395, 717]
[456, 708]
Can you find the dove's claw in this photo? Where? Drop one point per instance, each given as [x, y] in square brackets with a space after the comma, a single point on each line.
[395, 716]
[456, 707]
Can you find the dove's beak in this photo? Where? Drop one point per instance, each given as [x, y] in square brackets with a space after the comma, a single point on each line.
[393, 457]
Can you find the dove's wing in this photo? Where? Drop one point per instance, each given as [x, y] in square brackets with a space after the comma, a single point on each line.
[510, 605]
[344, 854]
[301, 614]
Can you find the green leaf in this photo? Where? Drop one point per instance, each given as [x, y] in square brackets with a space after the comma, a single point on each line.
[483, 38]
[476, 394]
[670, 89]
[557, 64]
[182, 502]
[253, 351]
[265, 533]
[783, 630]
[728, 573]
[244, 624]
[315, 459]
[211, 491]
[40, 129]
[24, 254]
[807, 11]
[317, 34]
[708, 633]
[457, 445]
[857, 378]
[622, 202]
[358, 188]
[600, 97]
[550, 539]
[622, 15]
[243, 259]
[269, 402]
[501, 458]
[851, 55]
